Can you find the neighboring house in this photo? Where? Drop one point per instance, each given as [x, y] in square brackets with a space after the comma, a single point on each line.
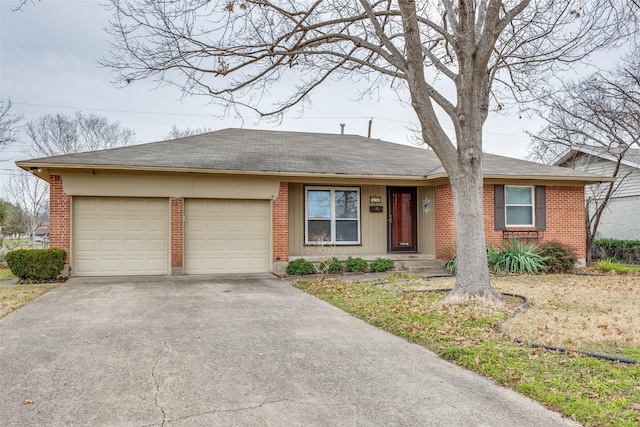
[250, 201]
[620, 219]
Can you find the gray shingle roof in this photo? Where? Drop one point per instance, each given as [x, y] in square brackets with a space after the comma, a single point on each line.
[291, 153]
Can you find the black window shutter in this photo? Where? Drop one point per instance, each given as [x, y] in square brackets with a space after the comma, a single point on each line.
[541, 208]
[498, 207]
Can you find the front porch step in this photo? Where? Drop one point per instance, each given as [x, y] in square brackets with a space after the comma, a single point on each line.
[424, 266]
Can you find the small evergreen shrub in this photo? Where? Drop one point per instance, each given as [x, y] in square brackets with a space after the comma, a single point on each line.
[38, 265]
[558, 258]
[331, 266]
[382, 264]
[356, 265]
[300, 267]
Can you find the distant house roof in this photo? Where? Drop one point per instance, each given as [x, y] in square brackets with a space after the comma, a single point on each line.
[294, 154]
[631, 156]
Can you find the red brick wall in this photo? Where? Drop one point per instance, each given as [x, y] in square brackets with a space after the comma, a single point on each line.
[280, 224]
[565, 218]
[59, 216]
[445, 220]
[177, 209]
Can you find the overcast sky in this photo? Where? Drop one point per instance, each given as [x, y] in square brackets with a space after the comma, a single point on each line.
[48, 65]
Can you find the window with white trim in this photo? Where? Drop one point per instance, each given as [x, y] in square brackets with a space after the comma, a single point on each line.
[519, 206]
[332, 215]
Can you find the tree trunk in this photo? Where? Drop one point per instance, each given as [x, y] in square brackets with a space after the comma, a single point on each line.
[472, 278]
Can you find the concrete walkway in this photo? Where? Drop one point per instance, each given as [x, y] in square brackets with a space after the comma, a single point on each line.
[227, 352]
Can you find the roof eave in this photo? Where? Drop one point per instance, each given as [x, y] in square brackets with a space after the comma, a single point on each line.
[35, 165]
[586, 179]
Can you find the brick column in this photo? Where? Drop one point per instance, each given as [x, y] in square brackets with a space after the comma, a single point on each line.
[177, 205]
[445, 228]
[59, 216]
[280, 224]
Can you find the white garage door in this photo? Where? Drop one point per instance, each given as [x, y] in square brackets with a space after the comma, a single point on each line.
[226, 236]
[120, 236]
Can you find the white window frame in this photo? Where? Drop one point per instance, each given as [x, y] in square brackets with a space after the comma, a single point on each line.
[333, 218]
[532, 206]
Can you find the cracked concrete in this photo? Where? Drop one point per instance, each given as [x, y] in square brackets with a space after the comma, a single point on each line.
[211, 351]
[155, 380]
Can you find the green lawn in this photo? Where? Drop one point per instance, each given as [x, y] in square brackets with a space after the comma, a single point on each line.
[591, 391]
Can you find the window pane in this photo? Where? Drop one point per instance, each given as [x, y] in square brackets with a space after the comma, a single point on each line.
[347, 231]
[346, 204]
[319, 231]
[519, 215]
[319, 203]
[518, 195]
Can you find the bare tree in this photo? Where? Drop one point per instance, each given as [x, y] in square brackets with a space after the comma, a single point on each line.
[8, 122]
[448, 56]
[31, 195]
[61, 134]
[176, 132]
[599, 114]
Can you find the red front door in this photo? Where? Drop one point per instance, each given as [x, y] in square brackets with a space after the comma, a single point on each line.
[402, 220]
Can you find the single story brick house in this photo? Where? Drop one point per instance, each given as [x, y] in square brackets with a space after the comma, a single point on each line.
[249, 201]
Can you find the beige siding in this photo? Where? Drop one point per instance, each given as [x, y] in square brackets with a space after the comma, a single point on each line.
[426, 222]
[127, 184]
[373, 225]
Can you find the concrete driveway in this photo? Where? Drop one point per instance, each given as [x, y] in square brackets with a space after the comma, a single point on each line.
[213, 352]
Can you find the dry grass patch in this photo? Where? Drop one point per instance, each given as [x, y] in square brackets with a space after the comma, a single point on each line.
[592, 313]
[578, 312]
[14, 297]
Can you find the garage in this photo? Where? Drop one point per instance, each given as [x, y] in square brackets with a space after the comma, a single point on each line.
[226, 236]
[120, 236]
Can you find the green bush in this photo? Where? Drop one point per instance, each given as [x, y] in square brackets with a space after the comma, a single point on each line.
[607, 265]
[382, 264]
[494, 257]
[356, 265]
[36, 264]
[627, 251]
[451, 265]
[331, 266]
[300, 267]
[558, 258]
[519, 257]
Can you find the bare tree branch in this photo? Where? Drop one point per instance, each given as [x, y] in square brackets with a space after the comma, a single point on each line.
[8, 123]
[52, 135]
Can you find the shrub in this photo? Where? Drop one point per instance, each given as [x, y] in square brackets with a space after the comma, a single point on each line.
[356, 265]
[520, 257]
[300, 267]
[558, 258]
[627, 251]
[382, 264]
[451, 265]
[607, 265]
[493, 259]
[36, 264]
[331, 266]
